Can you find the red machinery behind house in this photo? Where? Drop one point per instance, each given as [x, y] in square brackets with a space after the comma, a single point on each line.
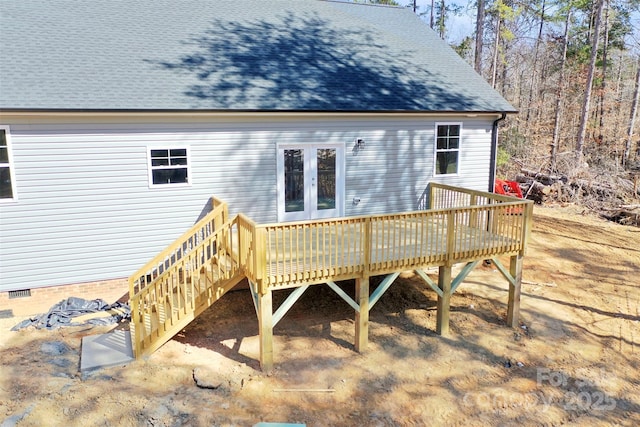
[507, 188]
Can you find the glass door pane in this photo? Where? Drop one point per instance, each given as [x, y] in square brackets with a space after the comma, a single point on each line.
[293, 180]
[326, 167]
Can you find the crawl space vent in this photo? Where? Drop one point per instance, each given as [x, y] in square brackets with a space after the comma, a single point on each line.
[20, 294]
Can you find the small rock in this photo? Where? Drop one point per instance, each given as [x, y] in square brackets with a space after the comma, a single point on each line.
[204, 379]
[507, 364]
[471, 306]
[520, 364]
[225, 405]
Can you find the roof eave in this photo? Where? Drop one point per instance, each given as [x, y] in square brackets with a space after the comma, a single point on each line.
[165, 112]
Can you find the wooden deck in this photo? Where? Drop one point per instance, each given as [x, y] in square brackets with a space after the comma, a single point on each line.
[461, 226]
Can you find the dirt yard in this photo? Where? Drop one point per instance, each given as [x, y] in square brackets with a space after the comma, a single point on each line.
[575, 359]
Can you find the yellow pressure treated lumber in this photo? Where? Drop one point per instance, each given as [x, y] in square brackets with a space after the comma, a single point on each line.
[265, 327]
[216, 253]
[513, 309]
[362, 316]
[444, 283]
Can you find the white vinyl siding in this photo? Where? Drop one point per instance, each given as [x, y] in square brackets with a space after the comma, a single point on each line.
[86, 211]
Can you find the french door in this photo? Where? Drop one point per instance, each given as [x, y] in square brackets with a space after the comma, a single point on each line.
[310, 181]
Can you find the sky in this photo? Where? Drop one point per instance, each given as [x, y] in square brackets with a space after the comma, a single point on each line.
[458, 27]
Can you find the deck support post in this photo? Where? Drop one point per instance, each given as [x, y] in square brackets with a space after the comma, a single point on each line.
[362, 315]
[513, 310]
[444, 283]
[265, 327]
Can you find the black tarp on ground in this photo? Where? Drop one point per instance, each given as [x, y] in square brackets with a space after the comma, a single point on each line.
[66, 312]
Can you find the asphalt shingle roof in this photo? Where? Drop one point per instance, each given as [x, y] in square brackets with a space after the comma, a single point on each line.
[276, 55]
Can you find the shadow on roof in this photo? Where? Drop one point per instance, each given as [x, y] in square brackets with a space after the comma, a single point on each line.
[305, 63]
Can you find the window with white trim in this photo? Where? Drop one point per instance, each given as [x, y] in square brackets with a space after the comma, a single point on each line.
[7, 179]
[169, 166]
[447, 154]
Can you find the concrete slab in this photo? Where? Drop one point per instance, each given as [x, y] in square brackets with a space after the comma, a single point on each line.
[104, 350]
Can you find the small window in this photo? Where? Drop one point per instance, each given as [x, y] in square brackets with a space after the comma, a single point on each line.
[447, 149]
[7, 184]
[168, 166]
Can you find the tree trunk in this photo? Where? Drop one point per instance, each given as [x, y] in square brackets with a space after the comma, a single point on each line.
[559, 95]
[632, 119]
[479, 36]
[534, 68]
[584, 114]
[496, 48]
[433, 11]
[442, 19]
[603, 87]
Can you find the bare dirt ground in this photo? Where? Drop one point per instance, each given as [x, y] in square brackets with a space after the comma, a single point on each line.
[575, 359]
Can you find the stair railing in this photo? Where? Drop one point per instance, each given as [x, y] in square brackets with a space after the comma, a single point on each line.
[166, 285]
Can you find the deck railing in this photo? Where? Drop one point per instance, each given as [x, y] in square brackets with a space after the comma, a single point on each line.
[173, 285]
[249, 244]
[196, 270]
[313, 251]
[443, 196]
[463, 225]
[176, 251]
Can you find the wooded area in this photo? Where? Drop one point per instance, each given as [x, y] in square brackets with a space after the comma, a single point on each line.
[571, 68]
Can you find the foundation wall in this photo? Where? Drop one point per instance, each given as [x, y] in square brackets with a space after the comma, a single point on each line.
[41, 299]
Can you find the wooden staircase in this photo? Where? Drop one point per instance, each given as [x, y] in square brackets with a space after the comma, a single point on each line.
[184, 280]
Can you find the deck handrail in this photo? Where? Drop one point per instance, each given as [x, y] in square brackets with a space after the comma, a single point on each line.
[176, 250]
[442, 196]
[186, 287]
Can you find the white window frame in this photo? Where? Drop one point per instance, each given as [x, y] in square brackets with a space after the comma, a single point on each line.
[436, 150]
[9, 165]
[151, 168]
